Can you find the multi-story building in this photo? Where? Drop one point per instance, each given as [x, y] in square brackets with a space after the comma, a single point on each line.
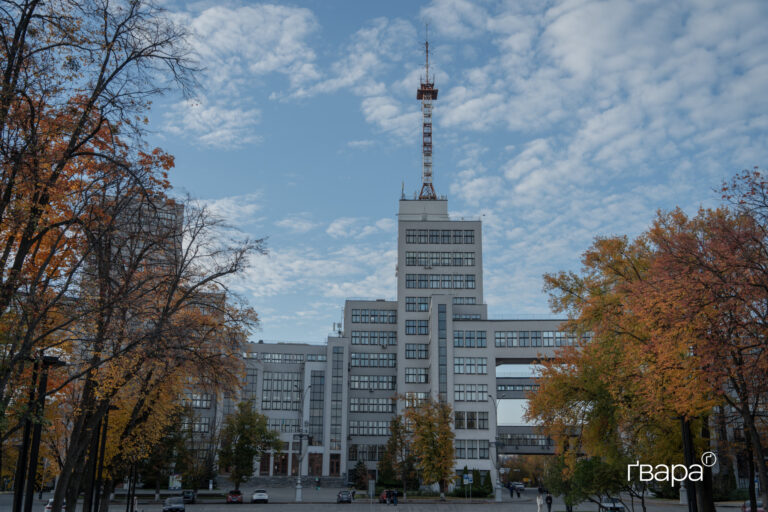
[435, 340]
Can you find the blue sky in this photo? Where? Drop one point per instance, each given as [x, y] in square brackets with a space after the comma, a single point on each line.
[556, 122]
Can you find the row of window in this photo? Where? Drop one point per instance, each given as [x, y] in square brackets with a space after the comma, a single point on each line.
[197, 425]
[417, 327]
[416, 351]
[368, 428]
[198, 400]
[462, 301]
[280, 400]
[471, 448]
[366, 452]
[272, 357]
[374, 338]
[440, 259]
[416, 375]
[525, 440]
[470, 420]
[470, 365]
[466, 316]
[417, 303]
[414, 399]
[437, 281]
[517, 387]
[374, 316]
[372, 382]
[439, 236]
[373, 360]
[536, 338]
[469, 339]
[470, 392]
[371, 405]
[283, 424]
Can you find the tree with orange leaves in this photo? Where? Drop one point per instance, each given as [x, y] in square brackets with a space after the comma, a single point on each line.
[678, 321]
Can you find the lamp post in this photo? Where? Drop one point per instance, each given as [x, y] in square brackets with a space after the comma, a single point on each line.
[494, 445]
[301, 435]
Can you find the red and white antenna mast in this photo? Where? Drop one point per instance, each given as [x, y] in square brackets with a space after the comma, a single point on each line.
[426, 94]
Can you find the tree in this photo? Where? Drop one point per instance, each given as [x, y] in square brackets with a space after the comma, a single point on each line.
[245, 436]
[432, 441]
[361, 475]
[399, 449]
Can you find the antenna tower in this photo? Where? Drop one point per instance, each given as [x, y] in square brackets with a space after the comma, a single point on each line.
[426, 93]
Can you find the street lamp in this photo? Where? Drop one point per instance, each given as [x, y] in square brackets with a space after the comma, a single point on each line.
[301, 435]
[494, 445]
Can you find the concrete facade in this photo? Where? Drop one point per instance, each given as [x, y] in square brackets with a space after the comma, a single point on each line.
[434, 340]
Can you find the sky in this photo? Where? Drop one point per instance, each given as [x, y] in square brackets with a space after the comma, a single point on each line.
[556, 122]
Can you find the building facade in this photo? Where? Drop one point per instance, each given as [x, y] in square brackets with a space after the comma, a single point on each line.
[435, 340]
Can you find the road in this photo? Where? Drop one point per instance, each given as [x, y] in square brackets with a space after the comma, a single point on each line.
[323, 500]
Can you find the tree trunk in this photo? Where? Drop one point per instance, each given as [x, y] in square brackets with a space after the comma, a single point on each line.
[106, 493]
[758, 455]
[704, 488]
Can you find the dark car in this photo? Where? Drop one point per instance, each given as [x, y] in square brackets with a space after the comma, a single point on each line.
[175, 504]
[189, 497]
[344, 497]
[234, 496]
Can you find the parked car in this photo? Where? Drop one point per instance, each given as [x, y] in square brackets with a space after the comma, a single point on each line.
[49, 505]
[234, 496]
[260, 496]
[612, 505]
[745, 507]
[189, 496]
[517, 486]
[344, 497]
[174, 504]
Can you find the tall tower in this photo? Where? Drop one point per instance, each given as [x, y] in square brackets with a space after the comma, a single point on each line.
[426, 93]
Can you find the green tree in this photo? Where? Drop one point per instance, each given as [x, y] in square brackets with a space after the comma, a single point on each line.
[432, 441]
[361, 475]
[399, 446]
[244, 436]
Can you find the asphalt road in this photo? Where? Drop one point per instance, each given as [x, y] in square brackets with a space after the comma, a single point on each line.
[324, 500]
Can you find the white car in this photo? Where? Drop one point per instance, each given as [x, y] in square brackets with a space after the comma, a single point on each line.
[260, 496]
[49, 505]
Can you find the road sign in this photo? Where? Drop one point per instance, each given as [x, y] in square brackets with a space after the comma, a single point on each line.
[468, 478]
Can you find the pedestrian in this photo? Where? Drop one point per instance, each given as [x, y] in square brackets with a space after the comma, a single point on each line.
[517, 490]
[394, 497]
[539, 502]
[549, 503]
[511, 492]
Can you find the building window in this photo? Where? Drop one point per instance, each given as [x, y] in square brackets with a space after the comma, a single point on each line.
[374, 338]
[459, 422]
[281, 391]
[470, 365]
[416, 375]
[462, 301]
[460, 448]
[374, 316]
[368, 428]
[417, 303]
[414, 399]
[283, 424]
[372, 382]
[385, 405]
[458, 392]
[469, 236]
[372, 360]
[417, 327]
[416, 351]
[198, 400]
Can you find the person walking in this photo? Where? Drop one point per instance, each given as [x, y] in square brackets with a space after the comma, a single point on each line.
[517, 490]
[549, 503]
[539, 502]
[511, 490]
[394, 497]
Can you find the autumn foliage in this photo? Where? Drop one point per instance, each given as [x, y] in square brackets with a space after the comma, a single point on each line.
[678, 322]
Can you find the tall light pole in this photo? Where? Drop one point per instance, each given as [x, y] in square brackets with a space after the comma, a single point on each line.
[301, 435]
[494, 445]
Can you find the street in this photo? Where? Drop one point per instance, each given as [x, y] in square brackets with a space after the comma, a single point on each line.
[324, 500]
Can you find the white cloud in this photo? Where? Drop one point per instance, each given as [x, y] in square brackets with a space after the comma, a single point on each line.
[299, 223]
[219, 125]
[236, 210]
[354, 227]
[238, 47]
